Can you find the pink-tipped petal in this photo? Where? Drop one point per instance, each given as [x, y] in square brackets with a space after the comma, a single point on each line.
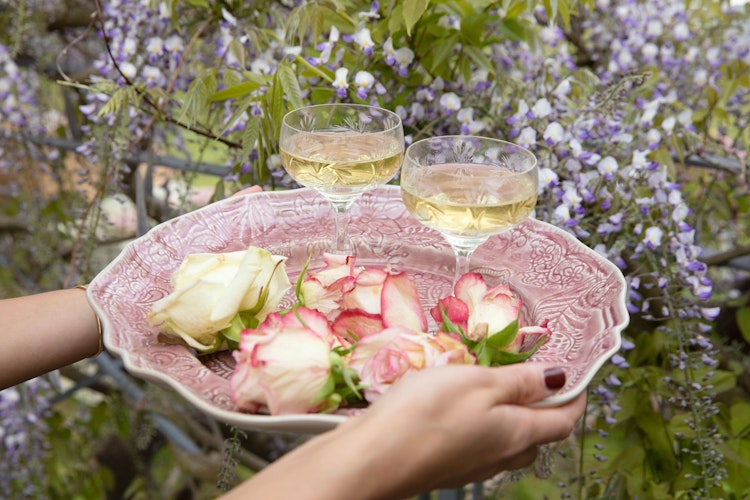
[470, 288]
[336, 266]
[457, 310]
[356, 324]
[365, 294]
[400, 304]
[528, 337]
[306, 318]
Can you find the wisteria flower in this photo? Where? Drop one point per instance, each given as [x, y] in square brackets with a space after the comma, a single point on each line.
[450, 102]
[364, 81]
[541, 108]
[363, 39]
[527, 138]
[340, 83]
[554, 133]
[404, 57]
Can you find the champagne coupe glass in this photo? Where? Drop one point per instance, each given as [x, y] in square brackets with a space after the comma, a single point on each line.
[341, 151]
[468, 188]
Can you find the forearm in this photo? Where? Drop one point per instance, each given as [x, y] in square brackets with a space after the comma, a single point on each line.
[40, 333]
[338, 465]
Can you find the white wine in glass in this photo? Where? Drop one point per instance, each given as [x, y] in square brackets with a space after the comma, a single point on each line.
[341, 150]
[468, 188]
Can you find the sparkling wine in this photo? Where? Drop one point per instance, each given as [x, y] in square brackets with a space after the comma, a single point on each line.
[341, 160]
[469, 200]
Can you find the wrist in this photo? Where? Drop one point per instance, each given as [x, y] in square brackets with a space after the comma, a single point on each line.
[99, 330]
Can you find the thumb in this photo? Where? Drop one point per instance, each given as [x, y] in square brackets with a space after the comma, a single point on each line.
[527, 383]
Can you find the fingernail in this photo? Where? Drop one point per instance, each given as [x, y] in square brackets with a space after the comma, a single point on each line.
[554, 378]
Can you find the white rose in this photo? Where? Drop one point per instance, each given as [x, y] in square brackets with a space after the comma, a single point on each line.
[208, 290]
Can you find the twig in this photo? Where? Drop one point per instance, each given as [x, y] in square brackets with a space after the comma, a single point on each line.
[724, 257]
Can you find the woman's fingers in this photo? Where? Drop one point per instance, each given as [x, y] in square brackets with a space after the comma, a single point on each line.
[535, 426]
[251, 189]
[526, 383]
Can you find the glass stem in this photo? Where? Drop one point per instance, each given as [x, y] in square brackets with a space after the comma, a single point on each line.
[463, 258]
[341, 244]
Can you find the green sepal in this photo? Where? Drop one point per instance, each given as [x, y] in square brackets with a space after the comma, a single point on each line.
[504, 337]
[300, 279]
[263, 297]
[509, 358]
[490, 350]
[449, 325]
[234, 330]
[340, 387]
[480, 350]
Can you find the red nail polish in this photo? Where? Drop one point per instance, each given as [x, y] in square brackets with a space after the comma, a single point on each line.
[554, 378]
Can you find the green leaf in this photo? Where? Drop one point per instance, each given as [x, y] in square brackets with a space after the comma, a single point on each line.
[743, 322]
[325, 391]
[235, 91]
[290, 84]
[219, 193]
[237, 49]
[197, 98]
[481, 59]
[513, 29]
[437, 55]
[239, 108]
[516, 8]
[396, 19]
[551, 7]
[250, 136]
[275, 99]
[472, 29]
[119, 101]
[722, 381]
[739, 419]
[412, 12]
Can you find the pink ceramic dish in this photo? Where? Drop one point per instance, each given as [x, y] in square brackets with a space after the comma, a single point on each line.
[558, 278]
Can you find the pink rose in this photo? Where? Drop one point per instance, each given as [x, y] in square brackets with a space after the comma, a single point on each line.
[284, 364]
[489, 320]
[374, 295]
[383, 358]
[323, 290]
[480, 311]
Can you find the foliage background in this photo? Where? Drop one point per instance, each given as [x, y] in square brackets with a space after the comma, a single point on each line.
[637, 110]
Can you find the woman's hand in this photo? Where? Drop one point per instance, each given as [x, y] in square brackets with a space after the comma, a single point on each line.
[438, 428]
[450, 426]
[251, 189]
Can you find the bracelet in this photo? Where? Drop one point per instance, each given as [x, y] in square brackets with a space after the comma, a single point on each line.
[98, 325]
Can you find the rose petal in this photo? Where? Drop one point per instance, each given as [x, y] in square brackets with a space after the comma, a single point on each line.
[357, 323]
[400, 304]
[455, 308]
[528, 337]
[367, 290]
